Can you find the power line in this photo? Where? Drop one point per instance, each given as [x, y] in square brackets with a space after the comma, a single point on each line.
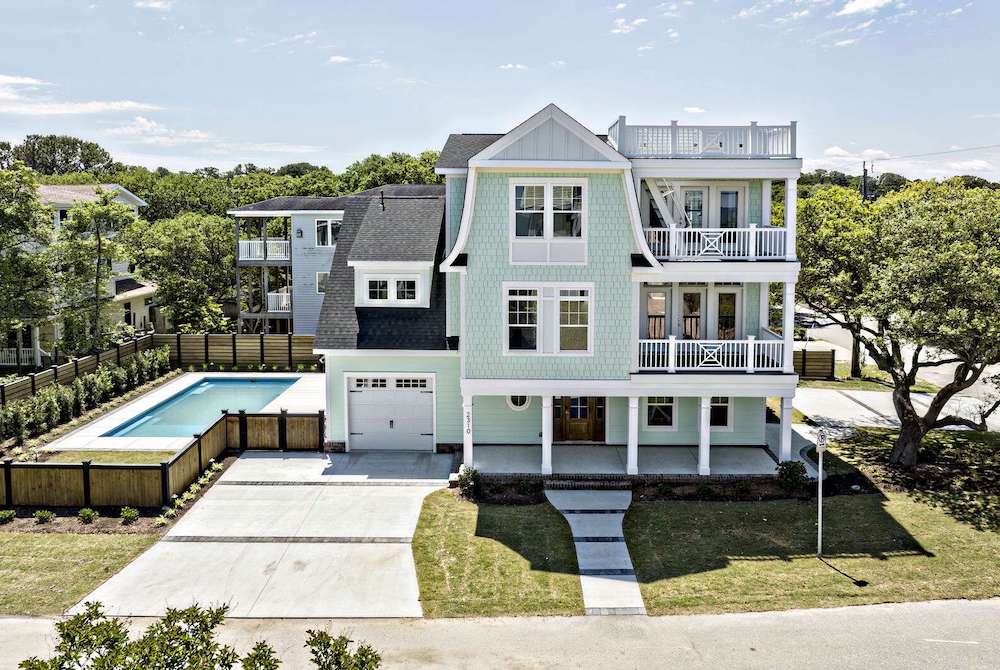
[939, 153]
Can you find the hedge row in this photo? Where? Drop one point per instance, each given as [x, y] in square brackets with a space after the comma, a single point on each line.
[57, 404]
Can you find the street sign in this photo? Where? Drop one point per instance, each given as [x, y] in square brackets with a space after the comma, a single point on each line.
[820, 441]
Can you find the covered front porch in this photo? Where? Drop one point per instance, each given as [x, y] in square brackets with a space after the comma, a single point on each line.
[604, 459]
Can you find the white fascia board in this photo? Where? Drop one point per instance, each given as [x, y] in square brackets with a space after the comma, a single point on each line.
[757, 385]
[122, 191]
[464, 225]
[452, 171]
[719, 271]
[390, 353]
[389, 266]
[508, 165]
[628, 183]
[277, 214]
[718, 168]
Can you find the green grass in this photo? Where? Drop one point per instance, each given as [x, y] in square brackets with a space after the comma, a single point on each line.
[734, 557]
[120, 457]
[46, 573]
[872, 379]
[774, 405]
[492, 560]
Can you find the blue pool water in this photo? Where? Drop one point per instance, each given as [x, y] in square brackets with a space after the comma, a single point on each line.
[193, 409]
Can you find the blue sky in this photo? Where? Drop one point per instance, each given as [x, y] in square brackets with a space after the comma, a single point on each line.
[184, 84]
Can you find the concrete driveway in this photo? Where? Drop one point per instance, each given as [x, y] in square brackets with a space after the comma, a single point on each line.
[291, 535]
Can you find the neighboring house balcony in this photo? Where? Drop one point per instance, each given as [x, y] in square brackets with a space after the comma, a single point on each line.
[279, 301]
[677, 141]
[28, 358]
[265, 251]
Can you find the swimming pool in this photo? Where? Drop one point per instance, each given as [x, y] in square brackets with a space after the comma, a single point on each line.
[194, 408]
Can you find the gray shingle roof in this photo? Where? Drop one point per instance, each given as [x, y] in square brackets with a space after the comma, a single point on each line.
[298, 203]
[70, 194]
[399, 229]
[460, 147]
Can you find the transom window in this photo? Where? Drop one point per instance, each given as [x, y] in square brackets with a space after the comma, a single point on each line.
[522, 319]
[660, 412]
[321, 279]
[719, 412]
[406, 383]
[378, 289]
[371, 383]
[327, 231]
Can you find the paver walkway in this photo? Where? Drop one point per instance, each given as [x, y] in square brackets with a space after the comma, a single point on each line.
[291, 535]
[606, 573]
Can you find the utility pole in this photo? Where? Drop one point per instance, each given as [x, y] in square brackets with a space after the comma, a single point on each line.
[864, 181]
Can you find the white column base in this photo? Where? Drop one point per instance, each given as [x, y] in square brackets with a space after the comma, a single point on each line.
[785, 447]
[632, 461]
[704, 436]
[547, 435]
[467, 431]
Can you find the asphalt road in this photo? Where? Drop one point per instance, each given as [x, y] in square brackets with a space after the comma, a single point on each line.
[951, 634]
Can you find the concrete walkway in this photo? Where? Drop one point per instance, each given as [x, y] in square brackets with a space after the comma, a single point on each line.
[835, 408]
[291, 535]
[606, 573]
[942, 634]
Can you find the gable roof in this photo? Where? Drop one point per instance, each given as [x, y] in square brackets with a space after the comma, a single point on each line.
[460, 147]
[303, 203]
[399, 228]
[71, 194]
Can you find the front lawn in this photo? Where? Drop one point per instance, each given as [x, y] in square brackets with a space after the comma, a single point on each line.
[117, 457]
[872, 379]
[494, 560]
[47, 573]
[748, 556]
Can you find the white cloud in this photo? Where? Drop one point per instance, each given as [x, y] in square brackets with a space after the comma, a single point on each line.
[14, 101]
[995, 115]
[623, 26]
[846, 43]
[376, 63]
[649, 46]
[695, 110]
[862, 6]
[159, 5]
[12, 80]
[558, 64]
[143, 130]
[955, 12]
[297, 38]
[619, 7]
[513, 66]
[339, 60]
[836, 152]
[973, 165]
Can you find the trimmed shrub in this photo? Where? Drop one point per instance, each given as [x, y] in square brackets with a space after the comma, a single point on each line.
[87, 515]
[129, 515]
[43, 516]
[792, 476]
[7, 515]
[469, 482]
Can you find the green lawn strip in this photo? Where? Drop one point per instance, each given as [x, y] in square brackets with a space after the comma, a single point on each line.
[872, 379]
[494, 560]
[46, 573]
[118, 457]
[693, 557]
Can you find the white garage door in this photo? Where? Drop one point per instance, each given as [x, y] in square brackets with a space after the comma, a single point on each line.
[391, 413]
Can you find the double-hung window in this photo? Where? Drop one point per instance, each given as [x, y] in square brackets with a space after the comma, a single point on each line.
[548, 318]
[660, 412]
[548, 220]
[321, 279]
[719, 413]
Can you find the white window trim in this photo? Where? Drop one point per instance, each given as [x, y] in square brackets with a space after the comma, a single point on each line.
[392, 300]
[324, 272]
[547, 239]
[547, 322]
[644, 408]
[730, 410]
[514, 407]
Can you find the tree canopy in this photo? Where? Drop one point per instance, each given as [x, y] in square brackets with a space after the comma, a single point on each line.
[25, 230]
[61, 154]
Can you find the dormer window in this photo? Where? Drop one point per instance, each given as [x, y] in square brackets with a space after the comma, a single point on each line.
[378, 289]
[548, 221]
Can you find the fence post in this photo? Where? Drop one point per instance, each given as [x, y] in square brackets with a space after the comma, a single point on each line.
[234, 350]
[201, 467]
[289, 351]
[833, 365]
[178, 350]
[225, 424]
[283, 430]
[55, 374]
[804, 368]
[118, 353]
[32, 375]
[8, 481]
[86, 483]
[76, 367]
[262, 348]
[165, 483]
[206, 348]
[321, 420]
[243, 430]
[3, 395]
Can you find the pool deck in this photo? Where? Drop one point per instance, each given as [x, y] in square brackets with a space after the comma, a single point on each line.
[308, 394]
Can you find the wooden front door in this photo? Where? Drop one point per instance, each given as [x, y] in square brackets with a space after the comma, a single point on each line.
[578, 419]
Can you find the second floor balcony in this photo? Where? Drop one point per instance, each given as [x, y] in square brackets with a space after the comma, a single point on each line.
[753, 354]
[677, 141]
[750, 244]
[264, 250]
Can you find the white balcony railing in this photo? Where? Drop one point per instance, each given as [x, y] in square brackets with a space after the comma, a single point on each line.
[279, 302]
[253, 250]
[749, 244]
[8, 356]
[749, 355]
[677, 141]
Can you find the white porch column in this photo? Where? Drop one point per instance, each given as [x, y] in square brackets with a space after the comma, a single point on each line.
[791, 202]
[632, 461]
[788, 326]
[704, 435]
[546, 435]
[467, 429]
[785, 448]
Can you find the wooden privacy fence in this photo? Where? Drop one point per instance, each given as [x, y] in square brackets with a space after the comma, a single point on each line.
[237, 350]
[89, 484]
[24, 387]
[815, 364]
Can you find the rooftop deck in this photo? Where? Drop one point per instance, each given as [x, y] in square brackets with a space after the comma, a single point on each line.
[677, 141]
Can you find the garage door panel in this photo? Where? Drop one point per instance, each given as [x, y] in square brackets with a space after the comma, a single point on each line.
[391, 418]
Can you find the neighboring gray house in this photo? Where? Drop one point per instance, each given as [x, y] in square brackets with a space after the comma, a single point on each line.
[285, 247]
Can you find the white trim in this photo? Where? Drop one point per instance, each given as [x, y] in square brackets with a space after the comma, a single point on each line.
[432, 386]
[699, 271]
[331, 240]
[451, 171]
[718, 168]
[514, 407]
[628, 183]
[528, 164]
[363, 277]
[318, 273]
[279, 213]
[465, 226]
[547, 326]
[677, 384]
[644, 408]
[391, 266]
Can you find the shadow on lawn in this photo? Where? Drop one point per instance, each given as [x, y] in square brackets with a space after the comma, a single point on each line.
[538, 533]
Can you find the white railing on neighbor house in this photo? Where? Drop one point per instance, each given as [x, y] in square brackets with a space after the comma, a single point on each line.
[8, 357]
[677, 141]
[253, 250]
[749, 355]
[279, 302]
[751, 243]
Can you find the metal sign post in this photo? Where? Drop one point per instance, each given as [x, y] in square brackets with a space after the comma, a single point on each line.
[820, 448]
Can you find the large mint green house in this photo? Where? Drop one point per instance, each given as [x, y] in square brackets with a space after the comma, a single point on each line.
[571, 302]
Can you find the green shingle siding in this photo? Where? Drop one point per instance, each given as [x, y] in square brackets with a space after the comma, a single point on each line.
[754, 207]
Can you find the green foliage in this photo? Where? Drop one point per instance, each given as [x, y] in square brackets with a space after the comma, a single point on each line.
[334, 653]
[469, 482]
[129, 515]
[61, 154]
[87, 515]
[43, 516]
[791, 476]
[7, 516]
[57, 404]
[395, 168]
[261, 657]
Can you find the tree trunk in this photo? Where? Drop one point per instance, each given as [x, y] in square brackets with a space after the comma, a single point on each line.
[904, 451]
[855, 356]
[97, 294]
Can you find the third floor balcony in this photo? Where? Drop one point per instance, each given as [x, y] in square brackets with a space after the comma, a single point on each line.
[677, 141]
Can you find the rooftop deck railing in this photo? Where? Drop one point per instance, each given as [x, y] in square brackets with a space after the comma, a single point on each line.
[677, 141]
